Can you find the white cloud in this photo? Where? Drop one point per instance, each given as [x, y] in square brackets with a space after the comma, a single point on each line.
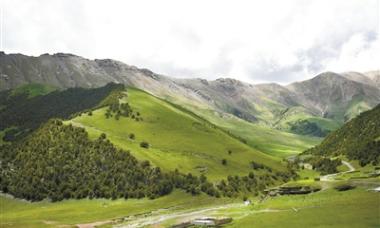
[254, 41]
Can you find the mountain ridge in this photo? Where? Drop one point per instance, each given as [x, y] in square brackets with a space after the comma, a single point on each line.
[260, 103]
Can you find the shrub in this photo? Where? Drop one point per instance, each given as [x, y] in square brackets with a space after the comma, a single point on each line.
[224, 161]
[131, 136]
[103, 136]
[344, 187]
[144, 144]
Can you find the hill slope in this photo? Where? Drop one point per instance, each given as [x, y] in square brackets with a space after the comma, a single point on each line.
[26, 107]
[60, 162]
[178, 139]
[357, 139]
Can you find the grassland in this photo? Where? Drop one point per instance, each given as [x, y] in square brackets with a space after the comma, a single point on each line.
[33, 89]
[330, 208]
[18, 213]
[179, 139]
[274, 142]
[296, 114]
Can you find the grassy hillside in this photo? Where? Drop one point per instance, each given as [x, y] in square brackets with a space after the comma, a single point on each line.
[357, 139]
[299, 121]
[60, 162]
[33, 89]
[178, 139]
[279, 144]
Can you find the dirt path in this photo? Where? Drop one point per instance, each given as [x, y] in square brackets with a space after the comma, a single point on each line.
[331, 177]
[93, 225]
[184, 215]
[190, 215]
[350, 167]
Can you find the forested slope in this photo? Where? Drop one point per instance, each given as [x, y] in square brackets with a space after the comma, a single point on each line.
[357, 139]
[21, 113]
[59, 161]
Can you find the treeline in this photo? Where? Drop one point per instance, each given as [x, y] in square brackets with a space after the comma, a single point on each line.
[252, 184]
[26, 114]
[324, 165]
[59, 162]
[358, 139]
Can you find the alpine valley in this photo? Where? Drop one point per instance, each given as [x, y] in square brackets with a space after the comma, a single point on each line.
[99, 143]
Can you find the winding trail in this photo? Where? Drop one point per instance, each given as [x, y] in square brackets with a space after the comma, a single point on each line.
[331, 177]
[184, 215]
[190, 215]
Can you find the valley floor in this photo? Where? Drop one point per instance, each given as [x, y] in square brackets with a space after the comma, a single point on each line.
[327, 208]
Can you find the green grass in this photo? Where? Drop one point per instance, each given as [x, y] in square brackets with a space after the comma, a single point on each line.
[296, 114]
[18, 213]
[179, 139]
[330, 208]
[307, 174]
[2, 133]
[33, 89]
[274, 142]
[343, 112]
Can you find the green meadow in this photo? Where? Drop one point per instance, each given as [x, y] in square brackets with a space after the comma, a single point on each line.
[20, 213]
[273, 142]
[329, 208]
[178, 139]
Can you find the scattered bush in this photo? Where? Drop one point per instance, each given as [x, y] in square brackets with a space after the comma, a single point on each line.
[131, 136]
[144, 144]
[224, 161]
[344, 187]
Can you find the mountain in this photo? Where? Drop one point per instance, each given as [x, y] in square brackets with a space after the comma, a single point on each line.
[371, 78]
[357, 139]
[312, 107]
[374, 76]
[124, 143]
[316, 106]
[67, 70]
[333, 96]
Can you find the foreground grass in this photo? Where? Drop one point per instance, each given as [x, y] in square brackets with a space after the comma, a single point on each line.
[18, 213]
[330, 208]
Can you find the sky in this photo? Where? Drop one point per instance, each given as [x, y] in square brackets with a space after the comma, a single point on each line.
[253, 41]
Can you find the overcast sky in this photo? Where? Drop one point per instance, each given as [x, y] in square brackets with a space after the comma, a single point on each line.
[255, 41]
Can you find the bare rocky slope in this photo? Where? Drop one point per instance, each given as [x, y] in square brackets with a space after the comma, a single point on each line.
[328, 96]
